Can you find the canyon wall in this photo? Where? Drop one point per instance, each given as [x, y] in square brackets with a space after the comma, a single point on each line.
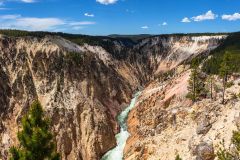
[83, 87]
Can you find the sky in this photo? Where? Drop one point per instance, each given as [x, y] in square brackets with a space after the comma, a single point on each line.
[104, 17]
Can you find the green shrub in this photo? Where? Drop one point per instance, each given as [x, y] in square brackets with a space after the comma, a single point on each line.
[229, 84]
[178, 157]
[77, 58]
[234, 96]
[227, 154]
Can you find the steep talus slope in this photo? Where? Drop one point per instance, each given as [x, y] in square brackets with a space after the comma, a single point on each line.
[83, 87]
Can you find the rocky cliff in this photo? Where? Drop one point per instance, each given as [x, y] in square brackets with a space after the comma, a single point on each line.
[83, 87]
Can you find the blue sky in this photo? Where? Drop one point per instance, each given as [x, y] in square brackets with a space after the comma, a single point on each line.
[103, 17]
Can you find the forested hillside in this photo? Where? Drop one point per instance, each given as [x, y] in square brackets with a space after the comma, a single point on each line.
[230, 46]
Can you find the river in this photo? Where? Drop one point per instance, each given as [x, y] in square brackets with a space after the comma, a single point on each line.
[117, 152]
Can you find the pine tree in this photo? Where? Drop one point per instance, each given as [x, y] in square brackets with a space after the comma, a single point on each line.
[236, 143]
[35, 139]
[225, 71]
[210, 83]
[178, 157]
[226, 154]
[196, 86]
[223, 154]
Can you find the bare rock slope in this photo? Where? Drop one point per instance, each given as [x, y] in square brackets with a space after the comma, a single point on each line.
[165, 123]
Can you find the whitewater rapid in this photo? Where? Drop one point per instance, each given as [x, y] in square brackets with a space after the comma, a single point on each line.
[117, 152]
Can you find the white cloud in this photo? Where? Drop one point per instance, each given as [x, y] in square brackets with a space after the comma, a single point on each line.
[88, 15]
[2, 8]
[82, 23]
[186, 20]
[77, 27]
[28, 1]
[2, 2]
[107, 2]
[130, 11]
[39, 24]
[164, 24]
[233, 17]
[10, 16]
[207, 16]
[145, 27]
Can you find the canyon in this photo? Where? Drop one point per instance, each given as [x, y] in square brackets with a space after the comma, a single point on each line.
[84, 87]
